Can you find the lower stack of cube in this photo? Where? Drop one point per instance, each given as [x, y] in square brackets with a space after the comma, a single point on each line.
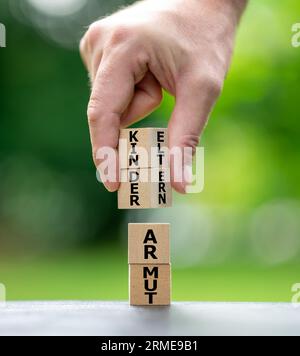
[149, 264]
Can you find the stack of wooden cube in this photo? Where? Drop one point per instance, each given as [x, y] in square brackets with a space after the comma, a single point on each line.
[149, 264]
[145, 184]
[144, 169]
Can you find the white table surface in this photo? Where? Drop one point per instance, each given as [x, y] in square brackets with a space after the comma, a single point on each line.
[119, 319]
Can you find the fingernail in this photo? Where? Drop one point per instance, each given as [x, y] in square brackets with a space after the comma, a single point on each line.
[102, 177]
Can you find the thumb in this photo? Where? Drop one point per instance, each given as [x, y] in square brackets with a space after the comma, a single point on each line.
[194, 102]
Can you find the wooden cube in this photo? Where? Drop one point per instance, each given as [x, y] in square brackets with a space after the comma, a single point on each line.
[143, 148]
[144, 189]
[150, 284]
[148, 244]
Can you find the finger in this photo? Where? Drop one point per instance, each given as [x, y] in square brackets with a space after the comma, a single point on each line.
[83, 50]
[91, 48]
[194, 102]
[90, 63]
[147, 97]
[112, 92]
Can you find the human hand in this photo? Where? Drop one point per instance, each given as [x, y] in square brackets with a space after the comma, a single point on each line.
[183, 47]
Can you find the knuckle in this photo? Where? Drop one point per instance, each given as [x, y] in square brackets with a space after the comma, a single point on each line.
[210, 83]
[191, 141]
[92, 117]
[215, 86]
[99, 116]
[93, 34]
[120, 35]
[93, 113]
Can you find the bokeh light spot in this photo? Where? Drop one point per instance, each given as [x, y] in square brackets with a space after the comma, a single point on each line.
[57, 7]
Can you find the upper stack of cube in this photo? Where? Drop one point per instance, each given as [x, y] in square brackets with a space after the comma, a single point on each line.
[144, 169]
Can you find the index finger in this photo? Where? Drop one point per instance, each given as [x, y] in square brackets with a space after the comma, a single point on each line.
[112, 92]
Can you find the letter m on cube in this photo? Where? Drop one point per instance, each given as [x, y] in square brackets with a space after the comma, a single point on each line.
[2, 35]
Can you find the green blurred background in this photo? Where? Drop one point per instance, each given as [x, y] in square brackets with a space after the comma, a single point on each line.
[61, 235]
